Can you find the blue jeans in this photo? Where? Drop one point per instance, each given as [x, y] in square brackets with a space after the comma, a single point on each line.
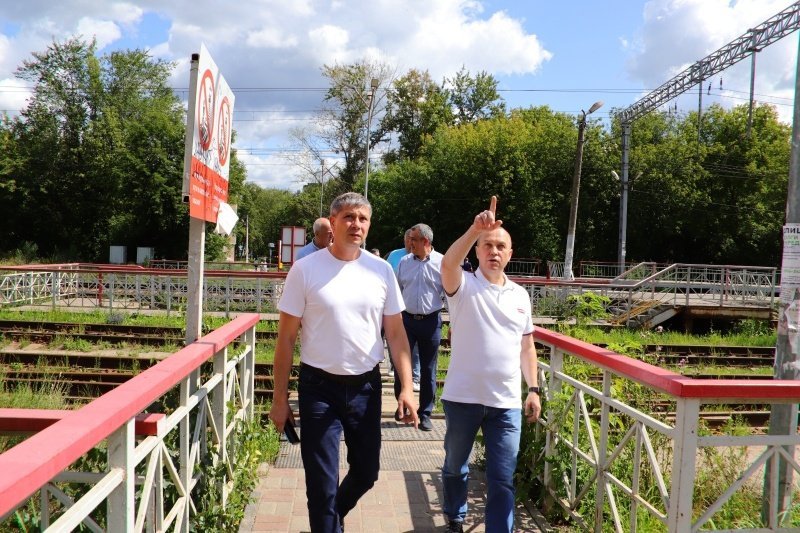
[501, 434]
[327, 409]
[424, 335]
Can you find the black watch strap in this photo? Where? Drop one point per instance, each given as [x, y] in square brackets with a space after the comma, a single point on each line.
[533, 389]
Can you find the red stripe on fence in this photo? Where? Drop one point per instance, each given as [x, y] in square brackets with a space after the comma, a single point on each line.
[35, 461]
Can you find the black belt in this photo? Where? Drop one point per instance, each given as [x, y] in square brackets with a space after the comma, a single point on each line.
[422, 317]
[344, 379]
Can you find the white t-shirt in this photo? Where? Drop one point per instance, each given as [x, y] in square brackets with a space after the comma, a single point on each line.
[341, 305]
[488, 322]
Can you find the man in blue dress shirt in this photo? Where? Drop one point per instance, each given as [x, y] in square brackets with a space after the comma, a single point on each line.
[420, 279]
[323, 235]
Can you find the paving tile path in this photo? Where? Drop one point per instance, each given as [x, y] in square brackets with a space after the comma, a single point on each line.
[406, 498]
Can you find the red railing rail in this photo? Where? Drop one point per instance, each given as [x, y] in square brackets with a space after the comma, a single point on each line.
[31, 464]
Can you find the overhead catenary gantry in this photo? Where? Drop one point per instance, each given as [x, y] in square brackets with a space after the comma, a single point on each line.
[747, 45]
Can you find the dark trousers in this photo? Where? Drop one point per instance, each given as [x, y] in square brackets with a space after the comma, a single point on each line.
[328, 409]
[426, 334]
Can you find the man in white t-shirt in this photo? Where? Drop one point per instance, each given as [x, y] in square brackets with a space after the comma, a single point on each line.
[491, 345]
[341, 296]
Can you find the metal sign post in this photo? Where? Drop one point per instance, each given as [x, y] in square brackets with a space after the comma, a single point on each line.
[205, 178]
[197, 229]
[783, 417]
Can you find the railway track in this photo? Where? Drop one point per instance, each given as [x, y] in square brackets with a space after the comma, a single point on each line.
[85, 376]
[48, 332]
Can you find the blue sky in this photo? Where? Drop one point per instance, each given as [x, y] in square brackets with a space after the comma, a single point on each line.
[565, 54]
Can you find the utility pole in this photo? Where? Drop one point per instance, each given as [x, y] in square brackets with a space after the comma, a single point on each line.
[321, 186]
[247, 239]
[373, 87]
[783, 417]
[575, 192]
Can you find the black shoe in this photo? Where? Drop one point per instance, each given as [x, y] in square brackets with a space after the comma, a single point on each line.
[455, 527]
[425, 423]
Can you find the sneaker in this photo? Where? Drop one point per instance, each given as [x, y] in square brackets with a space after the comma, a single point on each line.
[455, 527]
[425, 423]
[415, 386]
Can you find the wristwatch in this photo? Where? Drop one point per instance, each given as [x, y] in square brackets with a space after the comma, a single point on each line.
[533, 389]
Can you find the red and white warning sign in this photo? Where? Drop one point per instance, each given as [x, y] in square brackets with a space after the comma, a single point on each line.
[211, 140]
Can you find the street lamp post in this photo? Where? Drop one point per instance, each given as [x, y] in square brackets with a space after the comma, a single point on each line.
[370, 108]
[576, 185]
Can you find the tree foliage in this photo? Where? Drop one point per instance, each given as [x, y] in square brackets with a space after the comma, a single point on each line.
[98, 154]
[96, 158]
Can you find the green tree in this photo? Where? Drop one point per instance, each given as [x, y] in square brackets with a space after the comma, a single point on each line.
[344, 119]
[526, 160]
[415, 107]
[50, 133]
[474, 98]
[98, 154]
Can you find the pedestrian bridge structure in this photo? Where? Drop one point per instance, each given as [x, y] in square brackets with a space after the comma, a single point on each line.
[644, 295]
[602, 453]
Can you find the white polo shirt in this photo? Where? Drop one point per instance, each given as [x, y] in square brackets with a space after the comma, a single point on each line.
[341, 305]
[487, 324]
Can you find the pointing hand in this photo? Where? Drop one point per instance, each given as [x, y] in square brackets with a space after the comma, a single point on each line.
[485, 221]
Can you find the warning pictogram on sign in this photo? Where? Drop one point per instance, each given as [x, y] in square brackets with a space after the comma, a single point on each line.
[211, 140]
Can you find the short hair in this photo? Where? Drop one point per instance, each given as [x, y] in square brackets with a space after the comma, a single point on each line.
[407, 234]
[349, 199]
[424, 230]
[318, 224]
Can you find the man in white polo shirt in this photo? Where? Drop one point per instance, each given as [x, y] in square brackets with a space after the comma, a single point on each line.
[340, 296]
[491, 342]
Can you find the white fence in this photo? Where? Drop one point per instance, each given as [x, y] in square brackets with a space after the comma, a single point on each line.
[613, 464]
[150, 482]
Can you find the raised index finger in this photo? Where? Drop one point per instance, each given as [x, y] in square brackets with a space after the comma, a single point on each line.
[493, 205]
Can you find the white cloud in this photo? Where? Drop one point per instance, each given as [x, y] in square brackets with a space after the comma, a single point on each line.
[271, 38]
[329, 44]
[104, 31]
[13, 96]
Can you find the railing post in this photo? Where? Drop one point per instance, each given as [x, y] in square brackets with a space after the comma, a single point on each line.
[684, 457]
[688, 283]
[227, 296]
[55, 282]
[772, 289]
[723, 285]
[602, 452]
[111, 288]
[247, 373]
[169, 294]
[184, 440]
[120, 504]
[219, 413]
[553, 389]
[259, 294]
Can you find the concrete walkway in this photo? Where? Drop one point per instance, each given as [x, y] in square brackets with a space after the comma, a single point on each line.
[407, 496]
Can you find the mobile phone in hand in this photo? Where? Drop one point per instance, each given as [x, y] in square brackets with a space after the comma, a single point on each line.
[291, 433]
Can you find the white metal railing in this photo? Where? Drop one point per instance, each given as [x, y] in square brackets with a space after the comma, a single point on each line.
[522, 266]
[165, 289]
[613, 465]
[136, 289]
[150, 483]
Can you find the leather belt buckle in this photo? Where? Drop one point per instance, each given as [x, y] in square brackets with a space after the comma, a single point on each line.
[418, 317]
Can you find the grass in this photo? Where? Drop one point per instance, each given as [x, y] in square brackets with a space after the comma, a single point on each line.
[597, 335]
